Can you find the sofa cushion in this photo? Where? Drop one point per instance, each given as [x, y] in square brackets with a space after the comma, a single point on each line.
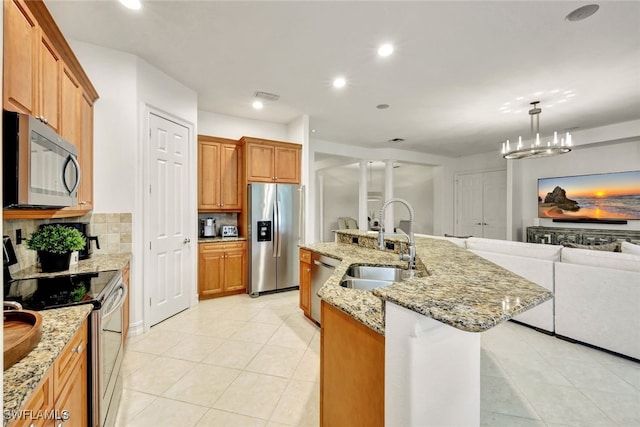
[630, 248]
[617, 261]
[531, 250]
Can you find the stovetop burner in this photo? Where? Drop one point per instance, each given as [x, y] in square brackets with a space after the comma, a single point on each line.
[60, 291]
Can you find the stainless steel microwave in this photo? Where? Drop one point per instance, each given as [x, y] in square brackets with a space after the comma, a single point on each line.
[39, 168]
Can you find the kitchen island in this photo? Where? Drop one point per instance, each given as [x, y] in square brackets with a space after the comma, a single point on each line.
[430, 322]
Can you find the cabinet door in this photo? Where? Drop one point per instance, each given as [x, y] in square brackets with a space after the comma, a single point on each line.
[305, 288]
[73, 398]
[85, 154]
[229, 172]
[49, 84]
[69, 108]
[208, 175]
[210, 272]
[41, 400]
[287, 165]
[235, 268]
[260, 166]
[19, 65]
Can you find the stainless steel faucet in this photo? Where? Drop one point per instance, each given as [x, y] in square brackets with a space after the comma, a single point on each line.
[411, 256]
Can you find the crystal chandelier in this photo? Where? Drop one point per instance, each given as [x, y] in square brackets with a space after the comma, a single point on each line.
[536, 148]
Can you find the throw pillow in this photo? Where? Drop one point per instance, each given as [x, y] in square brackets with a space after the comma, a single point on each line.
[610, 247]
[630, 248]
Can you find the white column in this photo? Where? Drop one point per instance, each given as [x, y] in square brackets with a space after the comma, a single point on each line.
[431, 370]
[388, 195]
[363, 224]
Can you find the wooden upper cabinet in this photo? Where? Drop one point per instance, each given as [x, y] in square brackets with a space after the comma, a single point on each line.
[49, 83]
[42, 77]
[70, 111]
[219, 174]
[272, 161]
[20, 60]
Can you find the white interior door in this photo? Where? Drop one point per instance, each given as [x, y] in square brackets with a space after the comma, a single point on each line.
[168, 229]
[481, 204]
[469, 205]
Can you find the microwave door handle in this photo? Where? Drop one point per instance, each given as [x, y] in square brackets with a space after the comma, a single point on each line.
[71, 159]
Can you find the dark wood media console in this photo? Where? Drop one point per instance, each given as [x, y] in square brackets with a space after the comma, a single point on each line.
[581, 236]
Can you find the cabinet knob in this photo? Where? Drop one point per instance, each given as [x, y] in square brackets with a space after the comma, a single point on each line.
[77, 349]
[83, 202]
[308, 270]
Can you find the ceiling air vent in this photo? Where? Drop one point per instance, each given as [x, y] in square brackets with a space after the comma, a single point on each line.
[397, 140]
[267, 96]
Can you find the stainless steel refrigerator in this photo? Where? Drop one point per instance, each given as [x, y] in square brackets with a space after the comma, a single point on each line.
[275, 224]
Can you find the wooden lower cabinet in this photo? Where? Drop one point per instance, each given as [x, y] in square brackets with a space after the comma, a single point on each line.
[221, 269]
[64, 389]
[126, 278]
[351, 371]
[305, 282]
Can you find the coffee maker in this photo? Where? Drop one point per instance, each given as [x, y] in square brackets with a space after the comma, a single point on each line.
[207, 227]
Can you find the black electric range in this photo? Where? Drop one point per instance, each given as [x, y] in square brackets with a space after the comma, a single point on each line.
[62, 291]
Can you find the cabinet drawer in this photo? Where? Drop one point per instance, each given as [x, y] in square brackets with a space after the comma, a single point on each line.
[222, 246]
[305, 256]
[70, 357]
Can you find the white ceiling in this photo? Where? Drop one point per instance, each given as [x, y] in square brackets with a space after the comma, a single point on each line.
[455, 63]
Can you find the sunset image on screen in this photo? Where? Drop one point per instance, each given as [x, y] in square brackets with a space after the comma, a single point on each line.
[600, 196]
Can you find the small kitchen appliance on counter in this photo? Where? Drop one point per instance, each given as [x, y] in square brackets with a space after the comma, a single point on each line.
[207, 227]
[229, 231]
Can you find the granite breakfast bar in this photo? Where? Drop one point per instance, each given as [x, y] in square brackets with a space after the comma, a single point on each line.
[430, 322]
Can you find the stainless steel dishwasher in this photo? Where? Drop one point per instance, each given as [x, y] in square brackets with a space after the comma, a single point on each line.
[321, 269]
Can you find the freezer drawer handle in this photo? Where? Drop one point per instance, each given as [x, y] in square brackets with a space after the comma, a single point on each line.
[322, 264]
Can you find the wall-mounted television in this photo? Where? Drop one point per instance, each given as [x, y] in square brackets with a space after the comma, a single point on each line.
[598, 197]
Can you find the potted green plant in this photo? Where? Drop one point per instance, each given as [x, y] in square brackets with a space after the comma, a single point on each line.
[54, 244]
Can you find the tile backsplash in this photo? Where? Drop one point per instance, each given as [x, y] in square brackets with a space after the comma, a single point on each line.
[114, 231]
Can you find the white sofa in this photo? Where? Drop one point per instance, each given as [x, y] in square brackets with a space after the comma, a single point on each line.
[597, 293]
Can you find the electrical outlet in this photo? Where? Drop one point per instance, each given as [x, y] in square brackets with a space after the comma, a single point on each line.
[390, 245]
[19, 236]
[354, 240]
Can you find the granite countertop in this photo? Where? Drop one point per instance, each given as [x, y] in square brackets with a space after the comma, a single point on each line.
[58, 327]
[94, 264]
[220, 239]
[451, 285]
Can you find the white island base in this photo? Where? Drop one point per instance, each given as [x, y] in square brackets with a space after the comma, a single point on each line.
[432, 372]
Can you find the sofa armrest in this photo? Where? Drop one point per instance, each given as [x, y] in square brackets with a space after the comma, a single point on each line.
[598, 306]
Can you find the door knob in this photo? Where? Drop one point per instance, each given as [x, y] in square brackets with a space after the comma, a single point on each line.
[187, 240]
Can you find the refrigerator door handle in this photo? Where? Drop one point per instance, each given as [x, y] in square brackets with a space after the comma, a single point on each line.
[279, 232]
[274, 232]
[301, 217]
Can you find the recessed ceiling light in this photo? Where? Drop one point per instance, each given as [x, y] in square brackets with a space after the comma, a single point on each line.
[257, 105]
[131, 4]
[385, 49]
[339, 82]
[582, 13]
[313, 131]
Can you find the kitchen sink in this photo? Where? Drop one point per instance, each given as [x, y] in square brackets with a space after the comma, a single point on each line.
[364, 284]
[393, 274]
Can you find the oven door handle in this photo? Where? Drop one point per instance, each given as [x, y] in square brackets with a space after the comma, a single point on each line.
[119, 303]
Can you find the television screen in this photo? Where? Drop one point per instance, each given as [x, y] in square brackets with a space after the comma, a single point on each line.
[608, 196]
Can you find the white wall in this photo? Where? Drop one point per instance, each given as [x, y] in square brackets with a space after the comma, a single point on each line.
[590, 159]
[128, 86]
[224, 126]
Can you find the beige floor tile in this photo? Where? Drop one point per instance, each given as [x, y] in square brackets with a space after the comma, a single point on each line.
[498, 395]
[156, 341]
[309, 367]
[299, 404]
[219, 328]
[251, 394]
[134, 360]
[194, 347]
[202, 385]
[271, 315]
[156, 377]
[491, 419]
[131, 404]
[255, 332]
[168, 413]
[278, 361]
[591, 375]
[233, 354]
[217, 418]
[624, 409]
[290, 337]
